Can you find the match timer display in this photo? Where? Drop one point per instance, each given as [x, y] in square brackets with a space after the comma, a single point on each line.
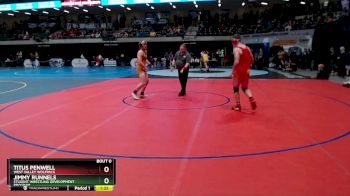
[61, 174]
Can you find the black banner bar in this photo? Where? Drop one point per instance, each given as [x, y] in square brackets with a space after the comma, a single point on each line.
[52, 188]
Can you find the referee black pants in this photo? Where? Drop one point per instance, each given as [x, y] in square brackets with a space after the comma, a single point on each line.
[183, 79]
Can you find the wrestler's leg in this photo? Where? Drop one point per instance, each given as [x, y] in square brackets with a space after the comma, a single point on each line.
[145, 81]
[236, 85]
[142, 76]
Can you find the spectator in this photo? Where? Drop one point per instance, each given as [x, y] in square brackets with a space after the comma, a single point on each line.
[275, 18]
[280, 63]
[341, 62]
[306, 59]
[204, 61]
[260, 59]
[19, 57]
[32, 58]
[322, 73]
[36, 62]
[347, 67]
[167, 59]
[332, 60]
[293, 60]
[99, 60]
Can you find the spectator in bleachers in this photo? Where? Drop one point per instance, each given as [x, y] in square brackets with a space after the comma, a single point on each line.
[258, 22]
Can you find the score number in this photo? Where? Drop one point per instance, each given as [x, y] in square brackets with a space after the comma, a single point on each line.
[106, 169]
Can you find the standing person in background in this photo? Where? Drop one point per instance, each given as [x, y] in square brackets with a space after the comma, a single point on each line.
[19, 58]
[99, 60]
[141, 67]
[241, 72]
[305, 59]
[167, 60]
[182, 61]
[32, 58]
[171, 56]
[341, 62]
[347, 67]
[205, 60]
[36, 61]
[172, 65]
[260, 61]
[332, 61]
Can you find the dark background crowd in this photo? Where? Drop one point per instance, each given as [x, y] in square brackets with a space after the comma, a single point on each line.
[330, 42]
[278, 17]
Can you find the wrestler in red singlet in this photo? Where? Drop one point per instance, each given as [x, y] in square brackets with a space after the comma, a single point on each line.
[241, 71]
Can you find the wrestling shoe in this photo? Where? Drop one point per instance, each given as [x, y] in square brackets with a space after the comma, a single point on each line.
[252, 103]
[237, 107]
[135, 96]
[143, 96]
[181, 94]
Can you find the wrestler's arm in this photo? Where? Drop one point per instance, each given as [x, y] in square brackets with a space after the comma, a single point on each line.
[237, 55]
[251, 56]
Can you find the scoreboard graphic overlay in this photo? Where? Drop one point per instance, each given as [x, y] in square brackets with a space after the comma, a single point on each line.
[61, 174]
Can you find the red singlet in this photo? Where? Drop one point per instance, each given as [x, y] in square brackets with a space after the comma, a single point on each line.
[242, 69]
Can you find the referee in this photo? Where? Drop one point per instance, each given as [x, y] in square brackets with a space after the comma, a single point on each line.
[182, 61]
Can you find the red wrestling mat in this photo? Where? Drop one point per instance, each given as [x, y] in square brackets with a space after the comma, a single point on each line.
[296, 143]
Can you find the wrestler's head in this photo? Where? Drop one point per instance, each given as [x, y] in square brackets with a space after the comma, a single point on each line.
[236, 39]
[143, 45]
